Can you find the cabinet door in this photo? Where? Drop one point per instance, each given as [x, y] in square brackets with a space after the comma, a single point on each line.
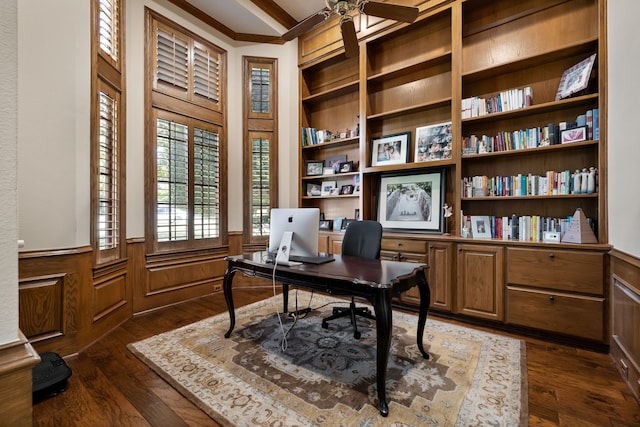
[441, 269]
[480, 283]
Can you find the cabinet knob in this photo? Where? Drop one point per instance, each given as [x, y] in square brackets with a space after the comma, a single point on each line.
[551, 255]
[552, 298]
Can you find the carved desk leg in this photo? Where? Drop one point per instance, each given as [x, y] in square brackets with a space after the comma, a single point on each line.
[384, 324]
[228, 297]
[425, 298]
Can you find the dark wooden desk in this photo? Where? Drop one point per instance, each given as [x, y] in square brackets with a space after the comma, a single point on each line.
[377, 281]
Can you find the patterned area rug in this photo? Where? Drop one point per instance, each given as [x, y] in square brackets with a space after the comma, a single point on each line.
[327, 378]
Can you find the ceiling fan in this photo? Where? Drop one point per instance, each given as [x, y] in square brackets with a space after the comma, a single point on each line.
[342, 8]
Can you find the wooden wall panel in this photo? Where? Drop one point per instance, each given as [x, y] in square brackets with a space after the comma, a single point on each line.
[109, 294]
[41, 306]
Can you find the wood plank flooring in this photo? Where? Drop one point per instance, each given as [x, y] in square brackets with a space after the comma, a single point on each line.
[111, 387]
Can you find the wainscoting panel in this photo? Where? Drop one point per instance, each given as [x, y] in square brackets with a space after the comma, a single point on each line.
[41, 302]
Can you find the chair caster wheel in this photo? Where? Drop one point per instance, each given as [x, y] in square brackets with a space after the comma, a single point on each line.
[356, 335]
[325, 325]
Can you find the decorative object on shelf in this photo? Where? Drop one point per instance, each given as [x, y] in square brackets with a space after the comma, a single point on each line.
[313, 189]
[314, 167]
[346, 189]
[338, 223]
[345, 167]
[326, 224]
[591, 184]
[356, 184]
[551, 237]
[576, 78]
[328, 171]
[412, 201]
[447, 213]
[327, 186]
[433, 142]
[480, 227]
[356, 214]
[390, 150]
[584, 181]
[335, 162]
[579, 230]
[576, 134]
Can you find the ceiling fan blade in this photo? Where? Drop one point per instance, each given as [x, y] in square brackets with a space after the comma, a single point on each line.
[306, 25]
[349, 37]
[390, 11]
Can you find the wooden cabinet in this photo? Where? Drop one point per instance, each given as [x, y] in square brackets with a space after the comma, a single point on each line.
[480, 284]
[442, 267]
[407, 250]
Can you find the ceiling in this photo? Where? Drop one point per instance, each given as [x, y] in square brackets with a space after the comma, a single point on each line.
[252, 20]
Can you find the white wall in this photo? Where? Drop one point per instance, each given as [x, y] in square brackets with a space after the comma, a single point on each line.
[624, 139]
[8, 179]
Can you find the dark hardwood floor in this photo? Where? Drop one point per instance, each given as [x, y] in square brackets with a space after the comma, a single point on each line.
[111, 387]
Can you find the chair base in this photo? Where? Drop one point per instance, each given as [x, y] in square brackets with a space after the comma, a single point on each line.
[352, 311]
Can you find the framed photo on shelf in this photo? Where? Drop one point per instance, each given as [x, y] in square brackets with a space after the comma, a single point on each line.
[326, 188]
[412, 201]
[334, 162]
[346, 189]
[313, 189]
[480, 227]
[576, 78]
[433, 142]
[346, 167]
[573, 135]
[314, 167]
[326, 224]
[390, 150]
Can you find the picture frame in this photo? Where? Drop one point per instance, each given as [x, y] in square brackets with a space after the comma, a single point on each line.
[480, 227]
[576, 78]
[334, 162]
[412, 201]
[326, 225]
[313, 189]
[576, 134]
[346, 189]
[314, 167]
[346, 167]
[338, 223]
[326, 187]
[390, 149]
[433, 142]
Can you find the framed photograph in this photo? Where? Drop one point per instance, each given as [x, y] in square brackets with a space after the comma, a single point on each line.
[412, 201]
[334, 191]
[573, 135]
[346, 189]
[356, 184]
[433, 142]
[326, 224]
[314, 167]
[334, 162]
[346, 167]
[390, 150]
[313, 189]
[480, 227]
[338, 223]
[576, 78]
[326, 188]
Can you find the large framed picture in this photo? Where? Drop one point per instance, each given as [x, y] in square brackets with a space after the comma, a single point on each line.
[576, 78]
[433, 142]
[390, 150]
[412, 201]
[314, 167]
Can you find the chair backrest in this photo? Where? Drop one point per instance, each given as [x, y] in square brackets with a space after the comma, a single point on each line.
[363, 239]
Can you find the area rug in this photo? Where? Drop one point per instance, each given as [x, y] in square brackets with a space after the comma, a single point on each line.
[324, 377]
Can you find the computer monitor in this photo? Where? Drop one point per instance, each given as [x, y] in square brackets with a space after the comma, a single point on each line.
[303, 222]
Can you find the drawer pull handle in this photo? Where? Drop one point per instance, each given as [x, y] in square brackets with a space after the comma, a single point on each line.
[552, 298]
[551, 255]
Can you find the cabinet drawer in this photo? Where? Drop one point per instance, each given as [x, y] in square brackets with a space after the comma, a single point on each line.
[566, 270]
[402, 245]
[556, 312]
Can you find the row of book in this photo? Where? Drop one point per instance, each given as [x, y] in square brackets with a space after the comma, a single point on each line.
[524, 228]
[551, 184]
[313, 136]
[507, 100]
[534, 137]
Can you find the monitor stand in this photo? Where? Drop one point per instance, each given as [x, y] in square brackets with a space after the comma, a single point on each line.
[284, 249]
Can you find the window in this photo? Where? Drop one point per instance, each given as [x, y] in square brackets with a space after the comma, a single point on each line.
[107, 133]
[260, 148]
[186, 166]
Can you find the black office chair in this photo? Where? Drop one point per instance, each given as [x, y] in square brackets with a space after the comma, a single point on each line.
[361, 238]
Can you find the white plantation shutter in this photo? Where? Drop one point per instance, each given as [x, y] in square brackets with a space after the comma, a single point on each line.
[108, 181]
[172, 60]
[108, 28]
[206, 72]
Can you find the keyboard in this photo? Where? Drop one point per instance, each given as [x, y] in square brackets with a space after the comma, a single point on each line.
[318, 259]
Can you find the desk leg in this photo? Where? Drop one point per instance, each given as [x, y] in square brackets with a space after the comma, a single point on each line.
[228, 297]
[425, 297]
[384, 324]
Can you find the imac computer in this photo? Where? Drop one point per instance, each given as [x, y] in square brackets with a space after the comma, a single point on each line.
[293, 235]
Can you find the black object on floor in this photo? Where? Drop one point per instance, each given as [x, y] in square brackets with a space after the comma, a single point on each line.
[49, 377]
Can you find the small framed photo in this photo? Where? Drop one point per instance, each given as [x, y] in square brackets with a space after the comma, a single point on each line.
[573, 135]
[346, 189]
[313, 189]
[326, 225]
[314, 167]
[334, 191]
[334, 162]
[346, 167]
[390, 150]
[338, 223]
[576, 78]
[326, 188]
[433, 142]
[480, 227]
